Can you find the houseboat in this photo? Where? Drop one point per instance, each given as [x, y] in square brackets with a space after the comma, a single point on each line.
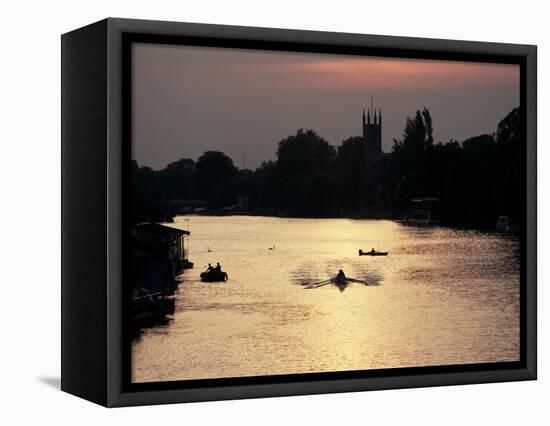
[158, 256]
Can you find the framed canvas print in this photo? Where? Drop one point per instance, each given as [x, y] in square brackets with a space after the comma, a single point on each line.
[253, 212]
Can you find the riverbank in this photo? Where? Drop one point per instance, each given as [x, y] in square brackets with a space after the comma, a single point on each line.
[355, 215]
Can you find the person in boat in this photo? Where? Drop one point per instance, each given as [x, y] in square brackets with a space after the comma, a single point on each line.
[210, 268]
[218, 267]
[341, 277]
[372, 250]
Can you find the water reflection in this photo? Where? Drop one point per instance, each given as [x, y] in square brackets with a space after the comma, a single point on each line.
[442, 296]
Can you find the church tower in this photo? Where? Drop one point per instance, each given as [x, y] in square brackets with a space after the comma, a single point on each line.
[372, 134]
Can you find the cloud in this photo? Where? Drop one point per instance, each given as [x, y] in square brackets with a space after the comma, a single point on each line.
[378, 74]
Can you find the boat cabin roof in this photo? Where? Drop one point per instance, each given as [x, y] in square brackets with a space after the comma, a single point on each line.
[161, 230]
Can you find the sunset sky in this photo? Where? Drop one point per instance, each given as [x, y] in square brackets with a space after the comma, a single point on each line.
[187, 100]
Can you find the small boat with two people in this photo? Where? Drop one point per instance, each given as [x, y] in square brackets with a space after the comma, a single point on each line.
[340, 280]
[214, 274]
[372, 252]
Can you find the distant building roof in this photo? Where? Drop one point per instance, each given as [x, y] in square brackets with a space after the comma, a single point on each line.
[161, 230]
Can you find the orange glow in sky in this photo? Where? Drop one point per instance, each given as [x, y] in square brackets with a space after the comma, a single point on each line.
[383, 74]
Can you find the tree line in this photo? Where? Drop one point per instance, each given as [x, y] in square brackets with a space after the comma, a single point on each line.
[476, 180]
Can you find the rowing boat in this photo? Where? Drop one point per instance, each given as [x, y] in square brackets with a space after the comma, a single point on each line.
[340, 282]
[372, 253]
[213, 276]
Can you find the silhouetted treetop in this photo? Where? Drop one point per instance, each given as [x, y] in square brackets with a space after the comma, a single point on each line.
[418, 134]
[305, 152]
[509, 128]
[213, 168]
[178, 179]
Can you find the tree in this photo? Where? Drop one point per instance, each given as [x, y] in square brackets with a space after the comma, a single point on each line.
[227, 192]
[311, 196]
[351, 171]
[303, 153]
[440, 158]
[178, 179]
[351, 155]
[427, 119]
[510, 157]
[147, 195]
[509, 129]
[418, 134]
[469, 198]
[304, 163]
[266, 185]
[410, 155]
[213, 168]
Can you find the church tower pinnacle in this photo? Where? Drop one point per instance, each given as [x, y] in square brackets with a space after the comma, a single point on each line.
[372, 133]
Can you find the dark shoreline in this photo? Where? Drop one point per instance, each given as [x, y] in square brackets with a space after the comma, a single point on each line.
[355, 217]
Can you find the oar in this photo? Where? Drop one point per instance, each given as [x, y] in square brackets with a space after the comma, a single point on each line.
[316, 285]
[320, 282]
[353, 280]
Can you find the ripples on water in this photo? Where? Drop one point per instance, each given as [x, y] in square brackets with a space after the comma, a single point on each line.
[443, 297]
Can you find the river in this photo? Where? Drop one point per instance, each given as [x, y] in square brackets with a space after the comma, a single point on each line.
[442, 296]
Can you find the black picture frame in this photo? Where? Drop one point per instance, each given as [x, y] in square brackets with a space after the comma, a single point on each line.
[95, 160]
